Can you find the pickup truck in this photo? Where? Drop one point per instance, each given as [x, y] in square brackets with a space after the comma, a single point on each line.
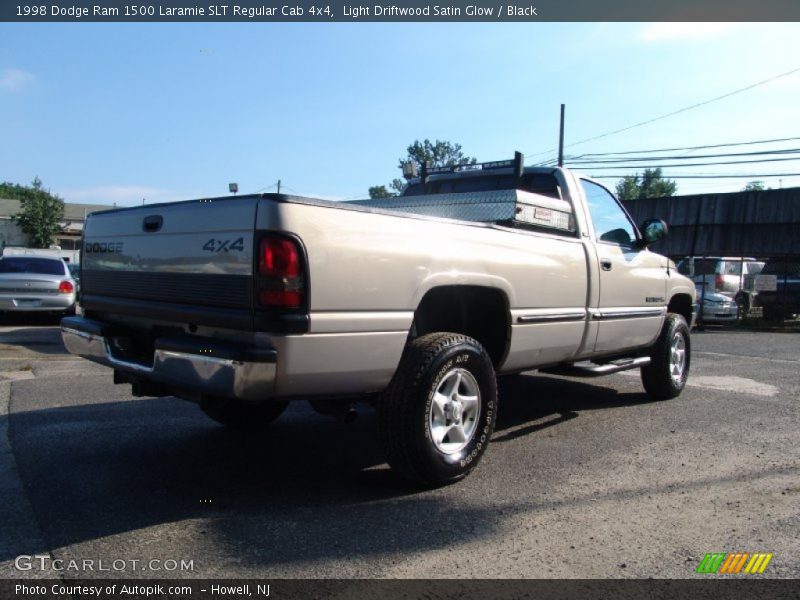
[415, 303]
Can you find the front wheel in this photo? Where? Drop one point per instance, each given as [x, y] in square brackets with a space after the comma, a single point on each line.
[235, 414]
[670, 357]
[439, 411]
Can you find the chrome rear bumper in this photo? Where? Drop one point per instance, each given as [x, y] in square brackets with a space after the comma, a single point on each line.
[201, 365]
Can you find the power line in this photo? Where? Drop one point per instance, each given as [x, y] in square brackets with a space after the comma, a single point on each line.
[707, 164]
[679, 111]
[717, 176]
[269, 187]
[623, 159]
[705, 147]
[578, 160]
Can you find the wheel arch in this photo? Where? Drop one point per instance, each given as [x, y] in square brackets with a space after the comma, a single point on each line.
[681, 304]
[479, 312]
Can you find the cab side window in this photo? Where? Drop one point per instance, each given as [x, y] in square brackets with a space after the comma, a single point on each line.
[611, 224]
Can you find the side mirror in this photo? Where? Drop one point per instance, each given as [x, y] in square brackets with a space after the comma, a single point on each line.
[653, 230]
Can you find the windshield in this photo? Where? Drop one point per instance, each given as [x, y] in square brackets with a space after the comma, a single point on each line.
[25, 264]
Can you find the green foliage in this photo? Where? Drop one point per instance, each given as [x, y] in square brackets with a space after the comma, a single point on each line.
[41, 212]
[380, 191]
[754, 186]
[440, 153]
[650, 184]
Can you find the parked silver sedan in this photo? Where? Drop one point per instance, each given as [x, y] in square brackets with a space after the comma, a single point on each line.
[36, 284]
[715, 308]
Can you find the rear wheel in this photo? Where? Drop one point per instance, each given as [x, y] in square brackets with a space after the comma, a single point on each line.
[245, 416]
[670, 357]
[439, 411]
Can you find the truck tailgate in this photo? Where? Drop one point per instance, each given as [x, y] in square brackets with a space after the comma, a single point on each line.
[197, 253]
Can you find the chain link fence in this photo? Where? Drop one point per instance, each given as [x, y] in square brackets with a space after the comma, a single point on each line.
[755, 290]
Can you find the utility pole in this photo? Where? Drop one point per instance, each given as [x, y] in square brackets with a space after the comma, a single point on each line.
[279, 186]
[561, 140]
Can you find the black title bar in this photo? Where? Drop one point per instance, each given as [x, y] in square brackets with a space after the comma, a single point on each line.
[121, 11]
[409, 589]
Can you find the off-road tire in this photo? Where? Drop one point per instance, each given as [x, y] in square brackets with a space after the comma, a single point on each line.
[406, 411]
[242, 416]
[666, 375]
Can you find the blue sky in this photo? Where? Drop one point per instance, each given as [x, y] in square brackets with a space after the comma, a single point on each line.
[106, 113]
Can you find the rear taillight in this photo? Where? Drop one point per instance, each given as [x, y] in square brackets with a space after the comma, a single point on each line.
[719, 281]
[280, 281]
[65, 287]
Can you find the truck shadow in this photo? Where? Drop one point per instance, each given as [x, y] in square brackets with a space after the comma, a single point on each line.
[308, 489]
[44, 339]
[530, 403]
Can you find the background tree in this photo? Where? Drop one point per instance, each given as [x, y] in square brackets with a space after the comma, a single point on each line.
[650, 184]
[41, 214]
[440, 153]
[379, 191]
[754, 186]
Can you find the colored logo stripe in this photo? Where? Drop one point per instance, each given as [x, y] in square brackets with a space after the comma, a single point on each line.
[733, 562]
[758, 563]
[711, 562]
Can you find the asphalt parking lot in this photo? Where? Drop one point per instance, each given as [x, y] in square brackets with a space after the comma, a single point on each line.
[584, 478]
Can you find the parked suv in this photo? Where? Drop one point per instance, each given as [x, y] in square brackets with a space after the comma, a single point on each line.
[731, 276]
[785, 300]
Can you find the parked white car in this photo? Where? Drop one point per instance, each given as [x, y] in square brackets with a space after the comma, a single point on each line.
[713, 307]
[36, 284]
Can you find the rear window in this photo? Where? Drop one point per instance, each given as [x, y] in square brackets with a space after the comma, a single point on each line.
[705, 266]
[754, 268]
[732, 268]
[24, 264]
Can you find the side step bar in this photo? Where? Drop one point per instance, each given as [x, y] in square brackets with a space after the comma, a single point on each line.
[588, 369]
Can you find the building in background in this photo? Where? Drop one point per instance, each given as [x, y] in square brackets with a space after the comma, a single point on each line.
[68, 239]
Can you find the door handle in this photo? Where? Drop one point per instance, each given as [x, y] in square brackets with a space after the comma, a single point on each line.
[152, 223]
[605, 264]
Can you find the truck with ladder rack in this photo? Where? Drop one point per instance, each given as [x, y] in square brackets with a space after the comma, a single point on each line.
[414, 303]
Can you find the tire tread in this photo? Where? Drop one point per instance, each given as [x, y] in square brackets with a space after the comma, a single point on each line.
[396, 412]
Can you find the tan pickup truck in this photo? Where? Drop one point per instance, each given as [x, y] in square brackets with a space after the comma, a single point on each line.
[414, 303]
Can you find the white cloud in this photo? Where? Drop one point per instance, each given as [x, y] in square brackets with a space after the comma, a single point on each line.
[14, 80]
[123, 195]
[662, 32]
